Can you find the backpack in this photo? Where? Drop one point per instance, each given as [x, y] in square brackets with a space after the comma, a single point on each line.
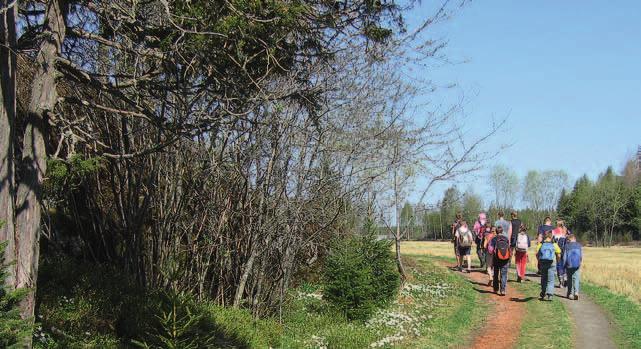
[465, 238]
[521, 242]
[502, 248]
[486, 237]
[573, 256]
[546, 252]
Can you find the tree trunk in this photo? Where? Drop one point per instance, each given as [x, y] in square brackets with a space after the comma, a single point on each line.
[33, 165]
[7, 119]
[397, 235]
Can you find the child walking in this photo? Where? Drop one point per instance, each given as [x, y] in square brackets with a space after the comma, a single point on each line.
[489, 252]
[501, 261]
[522, 245]
[572, 257]
[465, 239]
[548, 253]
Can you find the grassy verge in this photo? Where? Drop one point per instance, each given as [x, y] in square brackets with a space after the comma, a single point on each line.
[540, 318]
[82, 308]
[454, 321]
[625, 314]
[535, 329]
[435, 307]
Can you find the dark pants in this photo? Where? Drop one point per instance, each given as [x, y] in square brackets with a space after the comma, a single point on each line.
[500, 267]
[481, 253]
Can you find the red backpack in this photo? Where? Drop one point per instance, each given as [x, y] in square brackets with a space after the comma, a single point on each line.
[502, 248]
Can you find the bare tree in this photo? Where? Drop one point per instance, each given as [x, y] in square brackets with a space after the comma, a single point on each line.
[506, 186]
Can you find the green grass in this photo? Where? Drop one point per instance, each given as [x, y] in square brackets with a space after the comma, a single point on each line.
[439, 306]
[535, 329]
[435, 309]
[625, 314]
[546, 324]
[454, 322]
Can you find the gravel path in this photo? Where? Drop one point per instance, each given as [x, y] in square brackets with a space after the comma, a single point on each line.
[592, 327]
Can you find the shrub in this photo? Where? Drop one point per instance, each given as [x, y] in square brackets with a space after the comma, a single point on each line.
[13, 329]
[182, 324]
[360, 276]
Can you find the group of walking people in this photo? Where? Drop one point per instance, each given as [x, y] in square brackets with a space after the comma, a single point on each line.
[559, 255]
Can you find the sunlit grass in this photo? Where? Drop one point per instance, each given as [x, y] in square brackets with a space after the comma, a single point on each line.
[616, 268]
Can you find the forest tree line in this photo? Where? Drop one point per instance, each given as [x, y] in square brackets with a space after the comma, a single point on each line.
[603, 211]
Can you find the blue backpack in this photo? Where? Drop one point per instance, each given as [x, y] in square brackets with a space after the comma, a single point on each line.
[573, 256]
[546, 252]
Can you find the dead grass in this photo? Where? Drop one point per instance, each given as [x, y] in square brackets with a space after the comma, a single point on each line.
[617, 268]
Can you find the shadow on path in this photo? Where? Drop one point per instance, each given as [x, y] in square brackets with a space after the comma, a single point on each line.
[591, 325]
[522, 300]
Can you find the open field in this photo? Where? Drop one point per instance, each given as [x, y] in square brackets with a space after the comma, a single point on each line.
[616, 268]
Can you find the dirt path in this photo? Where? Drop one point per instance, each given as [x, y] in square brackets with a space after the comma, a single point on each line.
[509, 306]
[592, 326]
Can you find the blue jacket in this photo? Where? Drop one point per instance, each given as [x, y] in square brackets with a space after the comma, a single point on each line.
[569, 247]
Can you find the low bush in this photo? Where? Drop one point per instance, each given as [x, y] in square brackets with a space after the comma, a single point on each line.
[360, 276]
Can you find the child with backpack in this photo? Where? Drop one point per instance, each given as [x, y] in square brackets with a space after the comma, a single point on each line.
[464, 239]
[501, 261]
[548, 253]
[522, 243]
[572, 258]
[540, 235]
[489, 252]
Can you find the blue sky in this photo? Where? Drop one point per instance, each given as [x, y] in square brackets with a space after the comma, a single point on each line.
[567, 74]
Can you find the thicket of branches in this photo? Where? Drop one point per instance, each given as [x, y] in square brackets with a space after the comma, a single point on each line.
[211, 146]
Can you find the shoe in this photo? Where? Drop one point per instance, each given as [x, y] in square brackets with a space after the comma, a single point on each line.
[576, 297]
[549, 297]
[541, 296]
[518, 279]
[502, 293]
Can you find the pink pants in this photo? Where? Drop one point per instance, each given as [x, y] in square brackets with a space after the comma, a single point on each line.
[521, 263]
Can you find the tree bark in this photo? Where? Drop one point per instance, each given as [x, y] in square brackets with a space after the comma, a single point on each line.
[397, 235]
[33, 165]
[7, 119]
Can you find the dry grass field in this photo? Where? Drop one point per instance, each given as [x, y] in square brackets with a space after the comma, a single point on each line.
[617, 268]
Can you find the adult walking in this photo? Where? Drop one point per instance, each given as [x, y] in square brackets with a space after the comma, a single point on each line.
[479, 231]
[505, 225]
[559, 235]
[543, 228]
[501, 261]
[549, 253]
